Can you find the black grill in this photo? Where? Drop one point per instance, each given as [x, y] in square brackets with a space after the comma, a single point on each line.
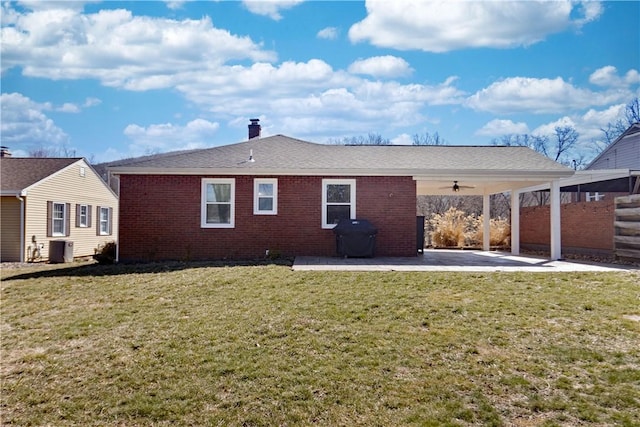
[355, 238]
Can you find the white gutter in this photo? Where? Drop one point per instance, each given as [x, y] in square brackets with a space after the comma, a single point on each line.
[417, 174]
[19, 197]
[118, 235]
[585, 177]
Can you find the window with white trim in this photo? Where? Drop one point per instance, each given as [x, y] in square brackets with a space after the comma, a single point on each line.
[217, 203]
[58, 219]
[105, 221]
[83, 216]
[338, 201]
[265, 196]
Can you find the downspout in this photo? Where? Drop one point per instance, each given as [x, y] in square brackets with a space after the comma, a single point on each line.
[118, 236]
[19, 197]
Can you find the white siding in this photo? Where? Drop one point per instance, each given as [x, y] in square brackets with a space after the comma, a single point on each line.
[624, 154]
[68, 186]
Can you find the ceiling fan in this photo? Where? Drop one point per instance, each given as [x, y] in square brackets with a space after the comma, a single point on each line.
[456, 187]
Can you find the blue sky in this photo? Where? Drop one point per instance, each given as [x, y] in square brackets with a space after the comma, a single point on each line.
[110, 80]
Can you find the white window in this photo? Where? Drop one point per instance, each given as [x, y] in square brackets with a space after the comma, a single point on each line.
[83, 216]
[338, 201]
[594, 196]
[265, 196]
[58, 219]
[105, 221]
[217, 203]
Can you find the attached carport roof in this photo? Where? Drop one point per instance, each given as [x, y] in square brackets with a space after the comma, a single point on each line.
[478, 169]
[600, 180]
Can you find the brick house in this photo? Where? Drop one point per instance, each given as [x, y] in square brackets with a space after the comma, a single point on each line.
[285, 195]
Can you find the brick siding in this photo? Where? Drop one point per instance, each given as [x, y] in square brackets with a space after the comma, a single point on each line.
[585, 226]
[160, 219]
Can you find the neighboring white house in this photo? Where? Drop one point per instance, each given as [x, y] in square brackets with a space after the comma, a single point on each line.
[616, 170]
[613, 173]
[623, 153]
[48, 200]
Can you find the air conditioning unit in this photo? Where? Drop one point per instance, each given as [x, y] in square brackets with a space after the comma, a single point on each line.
[60, 251]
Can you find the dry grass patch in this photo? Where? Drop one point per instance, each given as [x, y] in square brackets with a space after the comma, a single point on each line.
[455, 228]
[193, 344]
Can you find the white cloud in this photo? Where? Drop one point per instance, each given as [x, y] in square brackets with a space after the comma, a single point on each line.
[92, 102]
[499, 127]
[25, 126]
[68, 107]
[591, 123]
[306, 97]
[55, 4]
[600, 119]
[328, 33]
[118, 48]
[402, 139]
[381, 66]
[584, 145]
[175, 5]
[236, 87]
[158, 138]
[441, 26]
[608, 76]
[588, 11]
[270, 8]
[208, 67]
[523, 94]
[360, 108]
[549, 128]
[589, 126]
[603, 76]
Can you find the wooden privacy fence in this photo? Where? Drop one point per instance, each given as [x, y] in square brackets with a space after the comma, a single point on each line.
[627, 227]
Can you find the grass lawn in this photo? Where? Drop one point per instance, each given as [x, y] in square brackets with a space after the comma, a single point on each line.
[196, 344]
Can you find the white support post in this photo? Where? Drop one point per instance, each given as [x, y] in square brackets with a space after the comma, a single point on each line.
[554, 214]
[486, 223]
[515, 222]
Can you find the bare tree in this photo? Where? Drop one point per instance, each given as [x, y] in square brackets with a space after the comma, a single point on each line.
[52, 152]
[428, 139]
[611, 133]
[369, 139]
[614, 129]
[565, 139]
[535, 142]
[632, 112]
[42, 152]
[556, 146]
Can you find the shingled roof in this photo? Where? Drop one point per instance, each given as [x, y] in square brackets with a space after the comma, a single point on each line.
[280, 154]
[19, 173]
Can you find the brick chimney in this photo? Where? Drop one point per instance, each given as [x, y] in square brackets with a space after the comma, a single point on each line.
[4, 151]
[254, 128]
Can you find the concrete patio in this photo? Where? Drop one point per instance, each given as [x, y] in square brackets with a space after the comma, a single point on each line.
[454, 260]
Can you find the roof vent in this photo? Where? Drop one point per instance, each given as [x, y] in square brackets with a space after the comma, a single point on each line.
[4, 152]
[254, 128]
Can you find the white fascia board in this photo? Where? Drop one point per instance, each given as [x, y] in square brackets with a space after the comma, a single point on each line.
[415, 173]
[234, 171]
[584, 177]
[511, 175]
